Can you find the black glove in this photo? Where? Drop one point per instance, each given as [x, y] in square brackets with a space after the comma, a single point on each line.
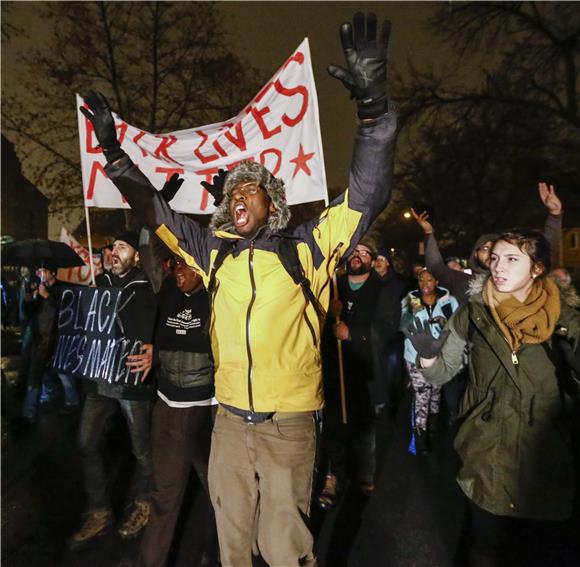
[421, 338]
[366, 59]
[103, 125]
[216, 188]
[171, 187]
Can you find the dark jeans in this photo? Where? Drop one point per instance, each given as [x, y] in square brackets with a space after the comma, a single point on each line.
[181, 438]
[40, 353]
[96, 412]
[540, 542]
[349, 448]
[393, 373]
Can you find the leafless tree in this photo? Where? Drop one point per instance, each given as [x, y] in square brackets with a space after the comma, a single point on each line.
[499, 117]
[162, 65]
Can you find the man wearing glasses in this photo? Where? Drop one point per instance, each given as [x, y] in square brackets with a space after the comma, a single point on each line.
[265, 334]
[362, 328]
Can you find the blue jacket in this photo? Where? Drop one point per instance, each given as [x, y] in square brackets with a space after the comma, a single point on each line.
[437, 314]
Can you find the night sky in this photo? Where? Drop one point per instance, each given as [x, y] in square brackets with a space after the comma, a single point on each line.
[268, 32]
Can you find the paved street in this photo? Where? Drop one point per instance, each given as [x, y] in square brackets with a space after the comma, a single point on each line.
[413, 519]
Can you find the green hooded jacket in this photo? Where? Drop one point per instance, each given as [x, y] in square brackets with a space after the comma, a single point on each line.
[515, 437]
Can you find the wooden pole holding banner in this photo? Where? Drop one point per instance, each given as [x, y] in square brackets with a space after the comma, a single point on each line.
[340, 358]
[90, 245]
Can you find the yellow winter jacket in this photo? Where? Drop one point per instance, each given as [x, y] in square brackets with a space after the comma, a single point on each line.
[265, 335]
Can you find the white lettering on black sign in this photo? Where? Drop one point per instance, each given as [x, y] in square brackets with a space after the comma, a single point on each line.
[93, 340]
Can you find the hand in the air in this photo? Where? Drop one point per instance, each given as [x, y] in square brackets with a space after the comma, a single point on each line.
[366, 60]
[171, 187]
[423, 221]
[99, 115]
[549, 198]
[216, 187]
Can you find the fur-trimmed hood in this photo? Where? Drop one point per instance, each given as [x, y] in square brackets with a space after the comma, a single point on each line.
[475, 287]
[252, 171]
[568, 295]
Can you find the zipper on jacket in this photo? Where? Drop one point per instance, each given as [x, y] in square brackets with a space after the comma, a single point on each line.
[515, 360]
[248, 313]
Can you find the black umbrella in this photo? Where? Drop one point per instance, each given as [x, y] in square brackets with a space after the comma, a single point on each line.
[40, 253]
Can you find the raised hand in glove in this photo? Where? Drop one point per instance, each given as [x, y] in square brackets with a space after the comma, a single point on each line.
[366, 59]
[171, 187]
[423, 341]
[216, 188]
[99, 114]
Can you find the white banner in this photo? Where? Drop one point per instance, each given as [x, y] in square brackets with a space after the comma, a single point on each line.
[78, 274]
[279, 128]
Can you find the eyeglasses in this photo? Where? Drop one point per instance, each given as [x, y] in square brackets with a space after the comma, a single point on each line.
[361, 253]
[250, 188]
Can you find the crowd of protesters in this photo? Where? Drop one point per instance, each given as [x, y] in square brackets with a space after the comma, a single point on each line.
[257, 355]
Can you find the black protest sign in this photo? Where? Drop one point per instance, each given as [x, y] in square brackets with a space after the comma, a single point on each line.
[98, 328]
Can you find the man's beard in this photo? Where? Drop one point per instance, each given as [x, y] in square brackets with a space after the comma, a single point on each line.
[362, 269]
[481, 265]
[121, 267]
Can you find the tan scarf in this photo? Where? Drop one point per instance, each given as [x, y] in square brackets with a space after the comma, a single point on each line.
[530, 322]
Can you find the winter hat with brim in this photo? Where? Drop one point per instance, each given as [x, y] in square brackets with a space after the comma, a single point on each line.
[249, 171]
[131, 237]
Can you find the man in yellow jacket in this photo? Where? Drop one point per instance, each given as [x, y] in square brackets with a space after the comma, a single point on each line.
[265, 333]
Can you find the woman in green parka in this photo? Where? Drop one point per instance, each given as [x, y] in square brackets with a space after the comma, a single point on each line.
[515, 438]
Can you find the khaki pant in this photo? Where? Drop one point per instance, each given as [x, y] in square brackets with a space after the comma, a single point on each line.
[260, 483]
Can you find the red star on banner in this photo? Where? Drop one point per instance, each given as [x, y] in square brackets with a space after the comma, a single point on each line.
[301, 161]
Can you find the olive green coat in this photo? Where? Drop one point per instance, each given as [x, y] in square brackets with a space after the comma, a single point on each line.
[514, 441]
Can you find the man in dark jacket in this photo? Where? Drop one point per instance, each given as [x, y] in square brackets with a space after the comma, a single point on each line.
[104, 399]
[265, 330]
[367, 320]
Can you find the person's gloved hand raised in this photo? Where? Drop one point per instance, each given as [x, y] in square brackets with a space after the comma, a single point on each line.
[423, 341]
[366, 59]
[216, 188]
[99, 114]
[171, 187]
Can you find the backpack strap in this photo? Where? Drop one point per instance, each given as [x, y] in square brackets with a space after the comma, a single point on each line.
[226, 247]
[288, 255]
